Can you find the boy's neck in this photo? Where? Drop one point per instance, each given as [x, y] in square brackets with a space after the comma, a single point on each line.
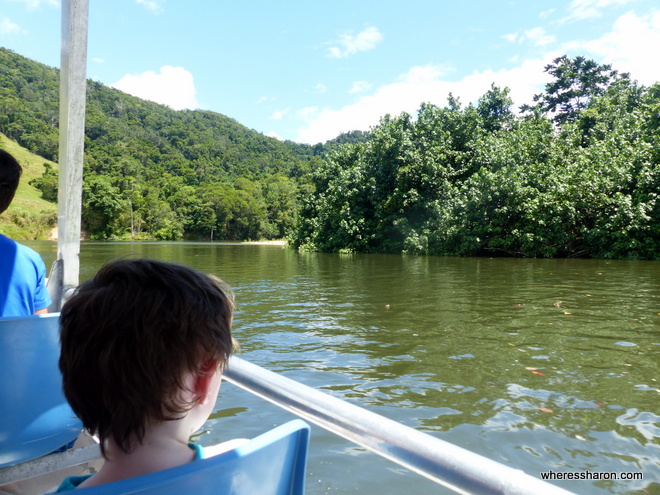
[163, 446]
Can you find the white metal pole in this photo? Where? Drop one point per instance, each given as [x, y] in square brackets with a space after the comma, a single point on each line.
[454, 467]
[73, 85]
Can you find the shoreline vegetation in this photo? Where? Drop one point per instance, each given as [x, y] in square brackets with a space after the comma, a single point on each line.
[53, 235]
[576, 173]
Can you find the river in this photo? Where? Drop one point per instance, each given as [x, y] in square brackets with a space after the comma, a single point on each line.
[539, 364]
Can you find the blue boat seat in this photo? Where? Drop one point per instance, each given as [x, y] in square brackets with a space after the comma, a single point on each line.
[35, 418]
[271, 464]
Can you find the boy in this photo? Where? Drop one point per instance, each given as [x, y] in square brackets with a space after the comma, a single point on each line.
[144, 344]
[22, 272]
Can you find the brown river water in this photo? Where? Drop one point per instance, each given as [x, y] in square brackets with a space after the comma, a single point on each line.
[538, 364]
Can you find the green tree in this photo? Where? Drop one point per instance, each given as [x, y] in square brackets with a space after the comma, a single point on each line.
[281, 199]
[102, 206]
[494, 109]
[576, 82]
[451, 182]
[47, 183]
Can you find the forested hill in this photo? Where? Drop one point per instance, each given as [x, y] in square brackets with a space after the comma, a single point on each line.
[153, 171]
[576, 173]
[30, 104]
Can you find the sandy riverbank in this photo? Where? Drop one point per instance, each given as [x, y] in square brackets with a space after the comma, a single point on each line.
[52, 236]
[266, 243]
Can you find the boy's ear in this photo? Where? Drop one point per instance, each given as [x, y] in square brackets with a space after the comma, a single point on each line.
[204, 379]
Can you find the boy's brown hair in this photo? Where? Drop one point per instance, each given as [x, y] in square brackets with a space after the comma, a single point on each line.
[10, 174]
[131, 334]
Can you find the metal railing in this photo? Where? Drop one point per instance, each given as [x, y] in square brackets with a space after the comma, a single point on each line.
[49, 464]
[447, 464]
[454, 467]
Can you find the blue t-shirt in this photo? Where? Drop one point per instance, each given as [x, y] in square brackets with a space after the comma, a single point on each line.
[72, 482]
[22, 280]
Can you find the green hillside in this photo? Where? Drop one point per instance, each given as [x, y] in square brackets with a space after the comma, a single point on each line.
[153, 172]
[29, 216]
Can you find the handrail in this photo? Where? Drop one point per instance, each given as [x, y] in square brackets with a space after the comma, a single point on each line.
[447, 464]
[49, 464]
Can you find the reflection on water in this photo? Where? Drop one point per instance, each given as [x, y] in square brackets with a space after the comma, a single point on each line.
[540, 364]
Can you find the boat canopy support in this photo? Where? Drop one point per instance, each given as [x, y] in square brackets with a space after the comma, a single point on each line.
[447, 464]
[73, 87]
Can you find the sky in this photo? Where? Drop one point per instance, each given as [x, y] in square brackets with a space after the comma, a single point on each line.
[308, 70]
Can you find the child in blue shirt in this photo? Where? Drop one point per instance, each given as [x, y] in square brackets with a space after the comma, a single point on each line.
[144, 344]
[22, 271]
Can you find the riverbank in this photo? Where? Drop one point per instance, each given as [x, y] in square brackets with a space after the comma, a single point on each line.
[280, 242]
[52, 236]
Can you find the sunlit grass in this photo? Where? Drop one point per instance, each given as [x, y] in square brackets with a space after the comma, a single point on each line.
[29, 216]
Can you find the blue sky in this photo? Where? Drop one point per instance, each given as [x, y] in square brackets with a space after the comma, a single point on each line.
[308, 70]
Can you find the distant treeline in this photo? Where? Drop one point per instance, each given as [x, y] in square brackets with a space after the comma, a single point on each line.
[153, 172]
[575, 174]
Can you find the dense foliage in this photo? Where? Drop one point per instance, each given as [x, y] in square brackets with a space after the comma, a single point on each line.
[576, 175]
[154, 172]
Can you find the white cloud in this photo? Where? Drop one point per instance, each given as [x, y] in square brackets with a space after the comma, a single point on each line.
[35, 4]
[512, 37]
[173, 86]
[590, 9]
[320, 88]
[424, 84]
[308, 113]
[536, 36]
[629, 45]
[264, 99]
[7, 26]
[349, 44]
[360, 87]
[546, 13]
[153, 5]
[424, 73]
[280, 114]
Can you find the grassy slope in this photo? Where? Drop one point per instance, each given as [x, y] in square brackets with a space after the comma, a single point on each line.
[29, 216]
